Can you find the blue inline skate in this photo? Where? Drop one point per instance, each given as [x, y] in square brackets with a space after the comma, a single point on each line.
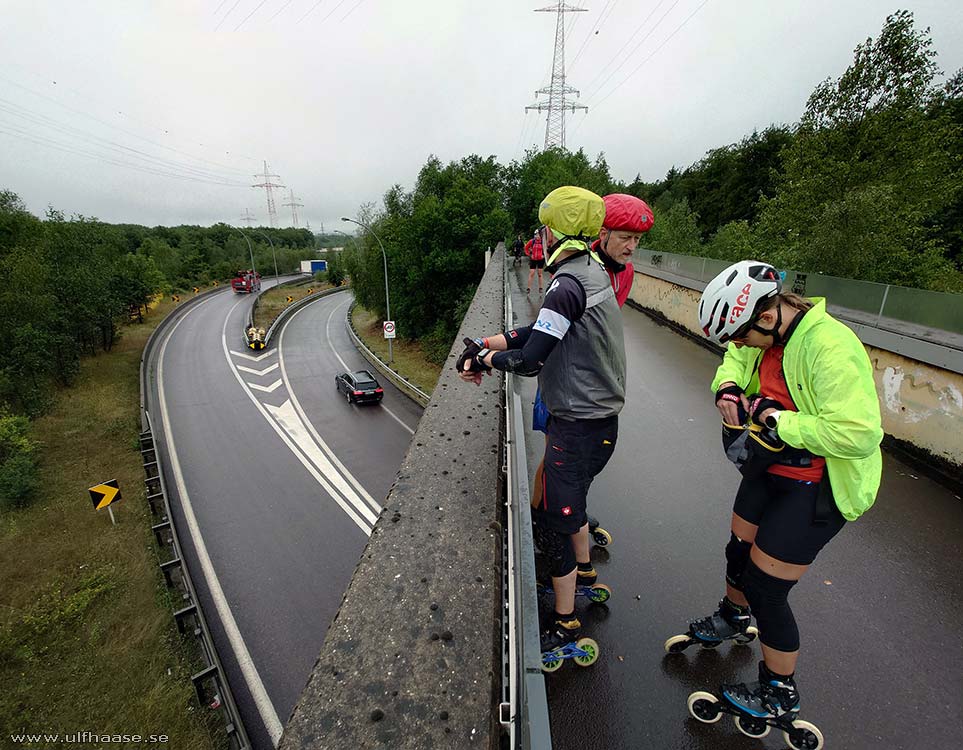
[586, 585]
[728, 622]
[562, 639]
[757, 707]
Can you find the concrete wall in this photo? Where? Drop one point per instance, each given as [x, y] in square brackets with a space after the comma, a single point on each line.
[412, 659]
[921, 404]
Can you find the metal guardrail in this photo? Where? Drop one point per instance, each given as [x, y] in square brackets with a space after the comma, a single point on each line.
[210, 683]
[525, 700]
[400, 381]
[930, 332]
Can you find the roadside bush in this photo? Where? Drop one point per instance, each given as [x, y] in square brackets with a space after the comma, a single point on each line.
[18, 464]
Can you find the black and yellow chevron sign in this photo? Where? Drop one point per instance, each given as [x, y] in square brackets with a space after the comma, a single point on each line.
[310, 291]
[214, 283]
[290, 299]
[105, 494]
[175, 298]
[196, 290]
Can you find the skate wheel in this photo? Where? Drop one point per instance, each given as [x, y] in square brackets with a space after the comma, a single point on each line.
[600, 593]
[749, 636]
[602, 537]
[677, 644]
[551, 661]
[751, 726]
[704, 707]
[591, 649]
[804, 736]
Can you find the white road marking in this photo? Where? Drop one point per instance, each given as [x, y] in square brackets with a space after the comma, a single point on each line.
[286, 424]
[317, 438]
[251, 357]
[251, 676]
[266, 389]
[265, 371]
[327, 333]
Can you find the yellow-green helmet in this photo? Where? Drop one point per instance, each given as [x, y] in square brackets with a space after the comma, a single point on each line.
[573, 214]
[572, 211]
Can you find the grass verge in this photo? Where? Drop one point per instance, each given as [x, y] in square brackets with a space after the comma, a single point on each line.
[274, 300]
[409, 358]
[87, 640]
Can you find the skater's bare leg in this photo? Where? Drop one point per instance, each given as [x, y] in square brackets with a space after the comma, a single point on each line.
[565, 592]
[580, 540]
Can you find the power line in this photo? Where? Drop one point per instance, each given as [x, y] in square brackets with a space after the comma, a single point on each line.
[652, 54]
[50, 143]
[596, 25]
[256, 9]
[278, 11]
[226, 15]
[618, 55]
[120, 129]
[353, 9]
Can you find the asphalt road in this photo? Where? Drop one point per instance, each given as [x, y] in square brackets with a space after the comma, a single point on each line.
[281, 479]
[878, 612]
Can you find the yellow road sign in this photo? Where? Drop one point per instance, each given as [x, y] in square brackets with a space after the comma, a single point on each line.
[290, 299]
[310, 291]
[175, 298]
[214, 283]
[196, 290]
[105, 494]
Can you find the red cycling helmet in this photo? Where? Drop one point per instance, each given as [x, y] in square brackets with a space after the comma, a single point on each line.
[627, 213]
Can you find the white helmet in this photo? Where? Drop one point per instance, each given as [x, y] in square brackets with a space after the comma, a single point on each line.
[730, 301]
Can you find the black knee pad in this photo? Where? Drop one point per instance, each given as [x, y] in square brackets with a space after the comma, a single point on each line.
[557, 548]
[768, 599]
[737, 556]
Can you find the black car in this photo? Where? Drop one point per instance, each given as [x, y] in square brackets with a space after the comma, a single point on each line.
[360, 387]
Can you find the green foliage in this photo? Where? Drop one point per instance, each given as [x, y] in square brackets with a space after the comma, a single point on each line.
[734, 242]
[675, 230]
[335, 274]
[525, 183]
[18, 462]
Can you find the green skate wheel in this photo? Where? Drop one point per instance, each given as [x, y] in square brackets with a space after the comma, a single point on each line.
[751, 726]
[600, 593]
[804, 736]
[602, 537]
[704, 707]
[677, 644]
[551, 665]
[591, 649]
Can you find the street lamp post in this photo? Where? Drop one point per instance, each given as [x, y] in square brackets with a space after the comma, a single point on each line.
[277, 281]
[384, 257]
[249, 248]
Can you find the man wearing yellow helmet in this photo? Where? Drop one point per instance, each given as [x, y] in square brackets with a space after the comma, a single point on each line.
[576, 348]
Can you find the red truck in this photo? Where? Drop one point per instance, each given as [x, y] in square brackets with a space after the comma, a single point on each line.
[245, 282]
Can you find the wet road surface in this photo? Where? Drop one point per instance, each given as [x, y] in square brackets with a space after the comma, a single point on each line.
[878, 612]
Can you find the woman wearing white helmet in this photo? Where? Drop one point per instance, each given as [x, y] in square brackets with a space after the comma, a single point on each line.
[810, 463]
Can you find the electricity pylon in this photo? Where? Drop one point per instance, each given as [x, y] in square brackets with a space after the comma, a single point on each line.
[557, 105]
[268, 186]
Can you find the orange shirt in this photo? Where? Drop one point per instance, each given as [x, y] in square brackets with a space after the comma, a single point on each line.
[772, 383]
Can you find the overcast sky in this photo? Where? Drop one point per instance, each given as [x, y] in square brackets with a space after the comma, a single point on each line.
[344, 98]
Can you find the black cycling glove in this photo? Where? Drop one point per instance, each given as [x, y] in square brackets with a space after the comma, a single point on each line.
[472, 349]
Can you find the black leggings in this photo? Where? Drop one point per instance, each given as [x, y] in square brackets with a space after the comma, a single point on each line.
[784, 510]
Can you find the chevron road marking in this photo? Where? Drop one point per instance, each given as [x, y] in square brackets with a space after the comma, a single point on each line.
[265, 371]
[252, 357]
[266, 389]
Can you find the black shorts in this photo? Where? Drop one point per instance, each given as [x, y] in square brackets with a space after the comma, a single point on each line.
[536, 263]
[784, 510]
[575, 453]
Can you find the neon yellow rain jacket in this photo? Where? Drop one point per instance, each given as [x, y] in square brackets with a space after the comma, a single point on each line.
[831, 381]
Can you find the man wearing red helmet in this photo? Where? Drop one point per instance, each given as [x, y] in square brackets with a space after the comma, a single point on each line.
[627, 218]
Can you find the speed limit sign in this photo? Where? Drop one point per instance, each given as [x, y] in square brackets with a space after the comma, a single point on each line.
[389, 327]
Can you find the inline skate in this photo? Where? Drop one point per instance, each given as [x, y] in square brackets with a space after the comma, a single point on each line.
[757, 707]
[728, 622]
[599, 535]
[562, 639]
